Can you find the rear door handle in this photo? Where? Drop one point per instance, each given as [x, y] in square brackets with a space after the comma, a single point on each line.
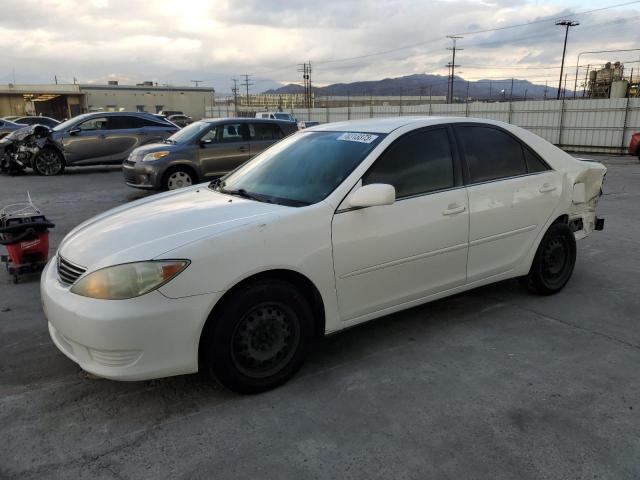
[243, 149]
[547, 187]
[453, 209]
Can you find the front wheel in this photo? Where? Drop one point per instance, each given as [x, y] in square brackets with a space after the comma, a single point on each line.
[259, 338]
[178, 177]
[48, 162]
[554, 261]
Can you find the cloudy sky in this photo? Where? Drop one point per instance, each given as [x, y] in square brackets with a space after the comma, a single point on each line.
[346, 40]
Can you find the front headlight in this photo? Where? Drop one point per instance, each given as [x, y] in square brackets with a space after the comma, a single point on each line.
[149, 157]
[128, 280]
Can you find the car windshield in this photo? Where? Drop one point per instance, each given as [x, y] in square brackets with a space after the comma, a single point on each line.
[283, 116]
[189, 133]
[302, 169]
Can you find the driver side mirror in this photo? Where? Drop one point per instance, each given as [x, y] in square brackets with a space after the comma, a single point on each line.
[75, 131]
[373, 195]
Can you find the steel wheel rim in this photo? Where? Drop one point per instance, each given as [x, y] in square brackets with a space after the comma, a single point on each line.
[265, 340]
[556, 257]
[48, 163]
[179, 180]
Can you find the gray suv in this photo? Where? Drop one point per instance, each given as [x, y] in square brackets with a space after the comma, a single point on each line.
[100, 138]
[205, 149]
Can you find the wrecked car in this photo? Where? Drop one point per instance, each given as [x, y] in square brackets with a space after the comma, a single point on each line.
[332, 226]
[30, 146]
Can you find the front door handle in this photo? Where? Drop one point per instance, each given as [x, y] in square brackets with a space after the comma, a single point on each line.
[453, 209]
[243, 149]
[547, 187]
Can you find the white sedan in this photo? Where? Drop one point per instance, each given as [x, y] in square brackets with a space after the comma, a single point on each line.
[333, 226]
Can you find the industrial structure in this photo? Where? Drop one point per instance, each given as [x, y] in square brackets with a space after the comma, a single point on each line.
[610, 82]
[62, 101]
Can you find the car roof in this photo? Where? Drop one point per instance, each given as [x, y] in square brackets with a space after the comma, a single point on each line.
[246, 120]
[389, 124]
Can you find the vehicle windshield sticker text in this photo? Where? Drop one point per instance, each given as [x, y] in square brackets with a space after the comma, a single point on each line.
[357, 137]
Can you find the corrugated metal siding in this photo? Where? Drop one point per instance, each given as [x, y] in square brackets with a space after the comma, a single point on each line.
[603, 125]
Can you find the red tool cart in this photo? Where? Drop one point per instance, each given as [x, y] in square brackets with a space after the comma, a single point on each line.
[24, 231]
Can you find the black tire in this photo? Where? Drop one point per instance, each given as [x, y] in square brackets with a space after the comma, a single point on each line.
[259, 337]
[554, 261]
[178, 177]
[48, 162]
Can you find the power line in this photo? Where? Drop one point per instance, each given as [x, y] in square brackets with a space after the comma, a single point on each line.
[545, 20]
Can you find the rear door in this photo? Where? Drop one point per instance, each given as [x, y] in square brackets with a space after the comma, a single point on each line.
[512, 194]
[394, 254]
[224, 147]
[125, 134]
[262, 135]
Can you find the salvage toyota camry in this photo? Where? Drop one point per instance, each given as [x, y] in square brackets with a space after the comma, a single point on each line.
[333, 226]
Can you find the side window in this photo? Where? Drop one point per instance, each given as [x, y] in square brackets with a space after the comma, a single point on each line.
[534, 164]
[233, 132]
[99, 123]
[211, 135]
[123, 123]
[416, 163]
[265, 131]
[490, 153]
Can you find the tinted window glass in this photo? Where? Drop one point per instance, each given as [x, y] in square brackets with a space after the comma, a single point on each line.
[265, 131]
[233, 132]
[491, 153]
[123, 123]
[534, 164]
[417, 163]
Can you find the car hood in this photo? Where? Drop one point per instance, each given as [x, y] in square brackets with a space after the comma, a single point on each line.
[140, 152]
[147, 228]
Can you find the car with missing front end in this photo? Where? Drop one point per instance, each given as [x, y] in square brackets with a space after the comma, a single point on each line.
[331, 227]
[202, 150]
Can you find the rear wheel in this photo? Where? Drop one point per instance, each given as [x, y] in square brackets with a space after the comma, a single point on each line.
[259, 338]
[554, 261]
[178, 177]
[48, 162]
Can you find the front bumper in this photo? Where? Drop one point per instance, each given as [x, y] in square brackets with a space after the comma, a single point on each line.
[141, 175]
[147, 337]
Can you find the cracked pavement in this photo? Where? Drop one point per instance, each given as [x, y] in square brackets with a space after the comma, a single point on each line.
[494, 383]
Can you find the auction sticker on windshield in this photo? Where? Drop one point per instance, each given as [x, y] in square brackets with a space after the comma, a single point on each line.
[357, 137]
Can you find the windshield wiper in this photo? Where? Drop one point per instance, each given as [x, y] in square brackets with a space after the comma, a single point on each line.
[218, 183]
[241, 192]
[168, 140]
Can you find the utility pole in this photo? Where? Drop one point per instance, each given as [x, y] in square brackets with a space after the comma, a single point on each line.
[247, 84]
[452, 65]
[545, 89]
[234, 90]
[490, 85]
[197, 82]
[305, 69]
[511, 93]
[566, 24]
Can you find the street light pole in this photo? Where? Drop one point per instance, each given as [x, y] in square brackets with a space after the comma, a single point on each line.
[566, 24]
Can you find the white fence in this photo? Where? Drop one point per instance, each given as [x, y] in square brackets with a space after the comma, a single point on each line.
[581, 125]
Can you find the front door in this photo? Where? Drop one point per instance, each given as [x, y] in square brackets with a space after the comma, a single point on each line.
[224, 148]
[512, 194]
[391, 255]
[89, 143]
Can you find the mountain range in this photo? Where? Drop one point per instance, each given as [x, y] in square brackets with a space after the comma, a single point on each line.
[423, 84]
